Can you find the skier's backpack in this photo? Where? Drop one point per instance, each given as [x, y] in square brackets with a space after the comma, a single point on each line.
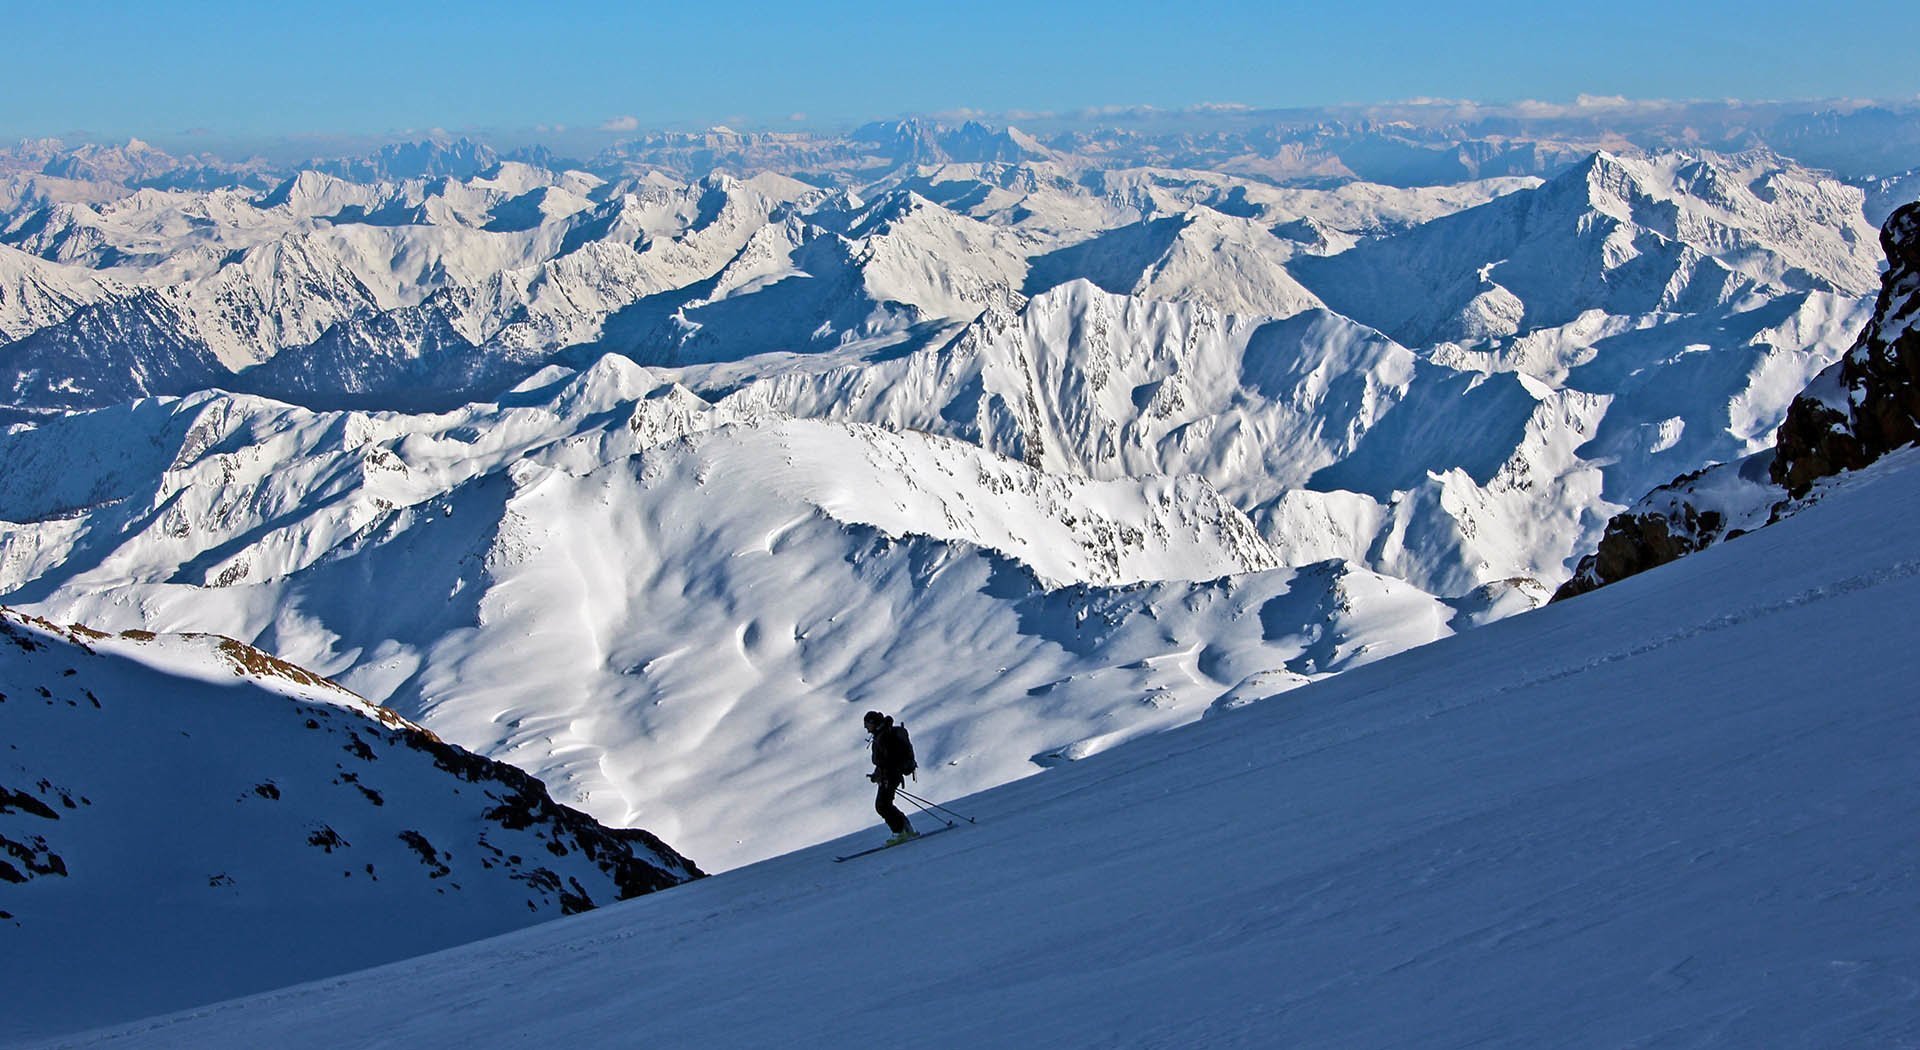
[902, 751]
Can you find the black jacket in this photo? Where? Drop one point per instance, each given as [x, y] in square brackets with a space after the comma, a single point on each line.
[892, 755]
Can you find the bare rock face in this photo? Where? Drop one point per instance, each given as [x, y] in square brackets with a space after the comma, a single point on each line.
[1689, 513]
[1867, 403]
[1636, 542]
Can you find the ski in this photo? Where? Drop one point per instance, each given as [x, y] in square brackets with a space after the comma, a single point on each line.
[876, 849]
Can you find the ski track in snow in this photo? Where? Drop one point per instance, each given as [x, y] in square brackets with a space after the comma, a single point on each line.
[1864, 581]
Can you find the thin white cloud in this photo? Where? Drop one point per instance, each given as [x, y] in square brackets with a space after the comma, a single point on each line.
[628, 122]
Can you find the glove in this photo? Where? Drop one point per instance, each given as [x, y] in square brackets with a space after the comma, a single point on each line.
[875, 777]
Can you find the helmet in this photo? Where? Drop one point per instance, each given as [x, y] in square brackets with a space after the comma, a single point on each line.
[874, 720]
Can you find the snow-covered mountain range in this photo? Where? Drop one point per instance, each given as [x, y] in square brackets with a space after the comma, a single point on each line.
[649, 483]
[1858, 409]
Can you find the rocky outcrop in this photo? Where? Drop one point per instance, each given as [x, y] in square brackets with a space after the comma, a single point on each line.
[1858, 409]
[1868, 403]
[1667, 525]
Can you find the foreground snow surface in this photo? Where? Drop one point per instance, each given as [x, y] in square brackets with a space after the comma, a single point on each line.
[1677, 812]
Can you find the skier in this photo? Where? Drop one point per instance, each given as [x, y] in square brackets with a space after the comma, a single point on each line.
[892, 762]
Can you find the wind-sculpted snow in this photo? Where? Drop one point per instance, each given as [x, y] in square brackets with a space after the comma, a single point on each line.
[185, 818]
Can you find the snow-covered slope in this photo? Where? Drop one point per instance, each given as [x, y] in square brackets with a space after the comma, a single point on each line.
[185, 818]
[1202, 256]
[1673, 812]
[35, 293]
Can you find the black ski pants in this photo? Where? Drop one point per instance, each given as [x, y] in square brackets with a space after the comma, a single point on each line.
[883, 803]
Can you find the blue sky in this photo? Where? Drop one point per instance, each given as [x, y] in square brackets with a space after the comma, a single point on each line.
[347, 66]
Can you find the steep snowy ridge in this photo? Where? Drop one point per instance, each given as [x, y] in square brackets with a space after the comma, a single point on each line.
[186, 818]
[1232, 263]
[946, 265]
[1451, 470]
[1067, 530]
[35, 294]
[110, 351]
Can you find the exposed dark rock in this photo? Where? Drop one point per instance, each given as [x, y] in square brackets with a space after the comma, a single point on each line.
[326, 838]
[19, 800]
[576, 901]
[419, 844]
[1868, 403]
[526, 803]
[18, 637]
[34, 855]
[1635, 542]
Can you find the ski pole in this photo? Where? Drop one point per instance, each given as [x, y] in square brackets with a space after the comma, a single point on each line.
[924, 804]
[930, 812]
